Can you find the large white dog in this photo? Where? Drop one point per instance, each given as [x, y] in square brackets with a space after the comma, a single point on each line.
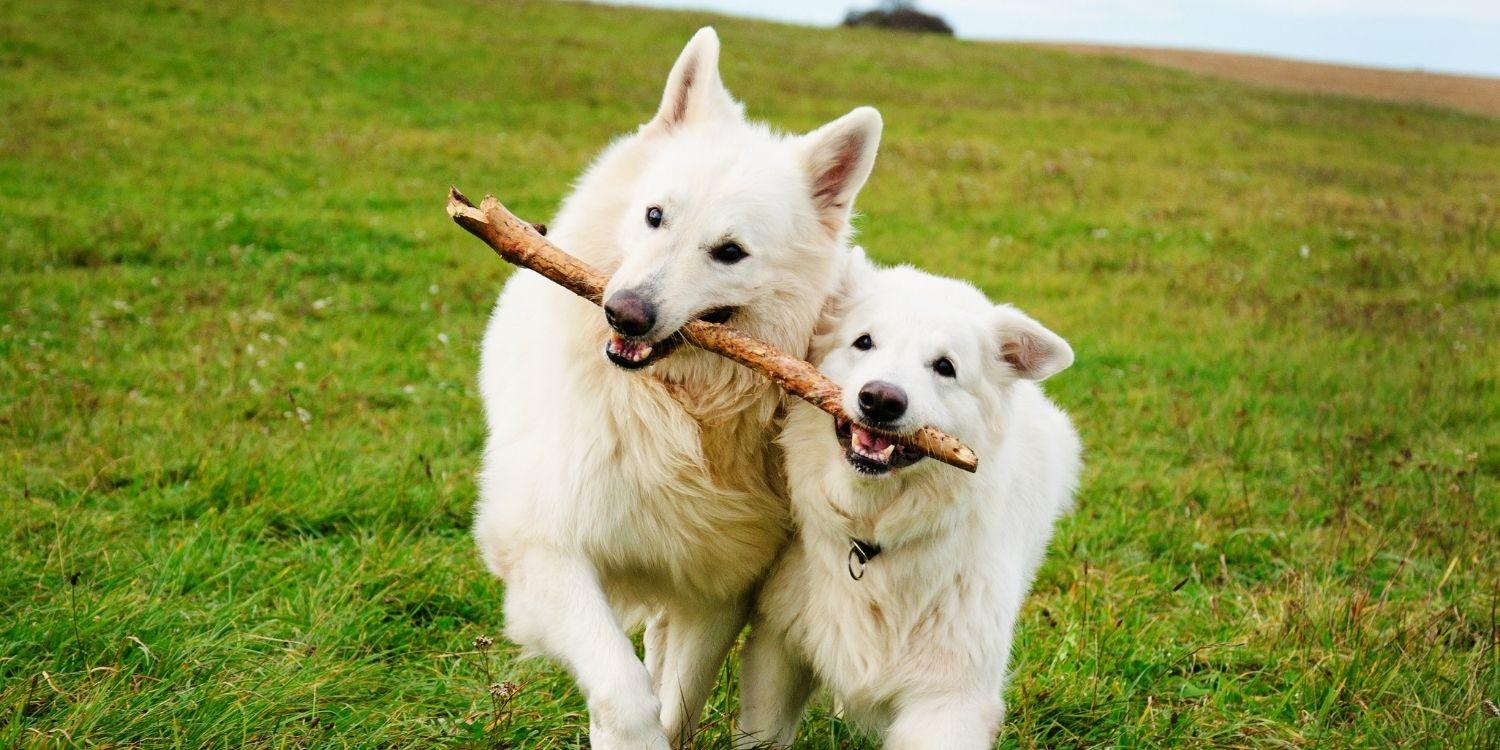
[901, 588]
[610, 497]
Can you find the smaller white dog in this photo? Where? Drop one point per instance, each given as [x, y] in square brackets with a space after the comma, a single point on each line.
[901, 588]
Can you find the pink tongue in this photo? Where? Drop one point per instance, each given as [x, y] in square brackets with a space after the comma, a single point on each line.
[869, 441]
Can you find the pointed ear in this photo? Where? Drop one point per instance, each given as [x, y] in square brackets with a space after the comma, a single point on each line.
[1032, 351]
[694, 91]
[838, 159]
[856, 275]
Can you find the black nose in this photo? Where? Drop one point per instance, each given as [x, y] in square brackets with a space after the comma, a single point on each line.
[630, 314]
[881, 401]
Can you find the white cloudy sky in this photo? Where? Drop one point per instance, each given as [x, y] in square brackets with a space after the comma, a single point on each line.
[1445, 35]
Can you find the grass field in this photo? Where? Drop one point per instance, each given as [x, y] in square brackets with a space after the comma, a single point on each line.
[237, 343]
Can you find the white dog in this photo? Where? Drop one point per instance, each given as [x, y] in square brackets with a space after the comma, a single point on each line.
[610, 497]
[900, 589]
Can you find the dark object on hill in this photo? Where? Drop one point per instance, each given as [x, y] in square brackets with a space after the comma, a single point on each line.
[901, 15]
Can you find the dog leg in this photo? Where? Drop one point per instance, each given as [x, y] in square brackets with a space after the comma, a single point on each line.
[775, 685]
[946, 723]
[696, 641]
[655, 642]
[554, 604]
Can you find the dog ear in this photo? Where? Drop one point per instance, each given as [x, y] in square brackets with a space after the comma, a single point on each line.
[856, 274]
[694, 91]
[839, 157]
[1031, 351]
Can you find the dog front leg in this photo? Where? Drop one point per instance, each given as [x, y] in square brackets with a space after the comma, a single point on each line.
[695, 640]
[655, 642]
[554, 604]
[775, 685]
[946, 723]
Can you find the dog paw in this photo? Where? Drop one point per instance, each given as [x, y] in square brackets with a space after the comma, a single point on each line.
[607, 738]
[622, 723]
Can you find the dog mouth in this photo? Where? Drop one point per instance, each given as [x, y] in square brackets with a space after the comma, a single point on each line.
[634, 354]
[870, 452]
[719, 315]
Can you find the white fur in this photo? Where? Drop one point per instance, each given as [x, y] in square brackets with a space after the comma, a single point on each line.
[916, 649]
[610, 497]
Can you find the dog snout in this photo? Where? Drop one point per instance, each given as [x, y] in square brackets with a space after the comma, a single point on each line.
[882, 402]
[629, 313]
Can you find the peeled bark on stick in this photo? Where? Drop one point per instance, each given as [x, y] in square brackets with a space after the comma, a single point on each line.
[519, 242]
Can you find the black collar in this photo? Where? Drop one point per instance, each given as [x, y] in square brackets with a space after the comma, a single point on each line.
[860, 554]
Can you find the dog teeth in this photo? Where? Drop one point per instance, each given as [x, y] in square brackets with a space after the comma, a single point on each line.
[872, 446]
[635, 351]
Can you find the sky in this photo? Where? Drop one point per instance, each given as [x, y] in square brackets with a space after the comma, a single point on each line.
[1451, 36]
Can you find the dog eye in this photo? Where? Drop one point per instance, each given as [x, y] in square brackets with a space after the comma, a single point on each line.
[729, 253]
[864, 343]
[653, 216]
[945, 368]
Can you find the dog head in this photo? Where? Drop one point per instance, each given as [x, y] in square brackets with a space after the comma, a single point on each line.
[722, 218]
[911, 349]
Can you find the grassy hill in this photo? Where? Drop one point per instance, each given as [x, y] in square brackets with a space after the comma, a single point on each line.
[237, 345]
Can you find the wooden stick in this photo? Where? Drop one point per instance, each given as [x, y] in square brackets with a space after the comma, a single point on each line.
[521, 243]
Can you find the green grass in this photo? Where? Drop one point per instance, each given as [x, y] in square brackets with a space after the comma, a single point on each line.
[237, 344]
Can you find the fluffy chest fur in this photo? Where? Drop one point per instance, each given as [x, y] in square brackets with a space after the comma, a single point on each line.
[667, 484]
[935, 611]
[921, 617]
